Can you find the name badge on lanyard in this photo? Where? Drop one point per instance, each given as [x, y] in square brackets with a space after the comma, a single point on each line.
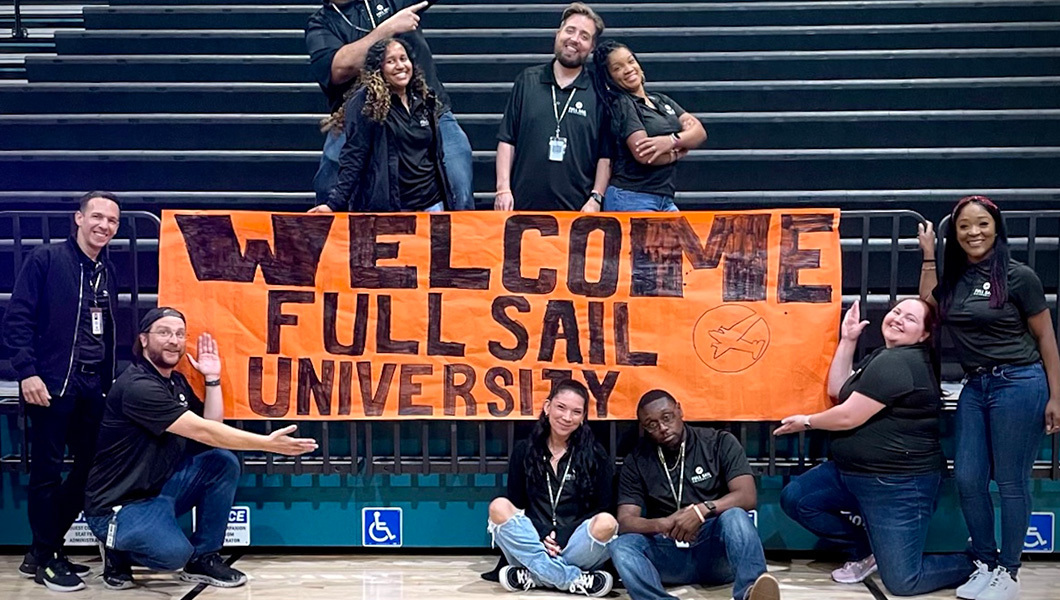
[557, 145]
[95, 312]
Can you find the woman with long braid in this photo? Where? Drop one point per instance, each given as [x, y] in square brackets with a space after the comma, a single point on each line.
[392, 159]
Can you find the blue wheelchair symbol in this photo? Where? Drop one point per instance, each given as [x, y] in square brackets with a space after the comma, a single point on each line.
[1040, 533]
[381, 526]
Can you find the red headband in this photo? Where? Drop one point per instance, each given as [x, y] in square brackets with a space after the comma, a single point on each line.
[967, 199]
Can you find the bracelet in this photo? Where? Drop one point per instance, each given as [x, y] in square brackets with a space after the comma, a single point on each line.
[214, 383]
[699, 513]
[499, 192]
[927, 267]
[928, 260]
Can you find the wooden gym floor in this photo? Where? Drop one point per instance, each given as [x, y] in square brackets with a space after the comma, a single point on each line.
[439, 577]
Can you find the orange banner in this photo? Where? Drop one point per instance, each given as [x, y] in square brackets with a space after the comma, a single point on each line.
[472, 315]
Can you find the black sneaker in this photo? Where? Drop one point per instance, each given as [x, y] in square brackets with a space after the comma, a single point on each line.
[212, 570]
[594, 584]
[516, 579]
[117, 569]
[57, 575]
[29, 565]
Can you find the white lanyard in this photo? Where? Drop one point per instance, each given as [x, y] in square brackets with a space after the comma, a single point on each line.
[554, 500]
[559, 116]
[680, 491]
[350, 23]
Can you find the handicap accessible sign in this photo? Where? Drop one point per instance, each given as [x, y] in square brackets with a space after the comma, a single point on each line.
[1040, 532]
[381, 527]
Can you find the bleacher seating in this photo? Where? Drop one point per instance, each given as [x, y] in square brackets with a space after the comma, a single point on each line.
[854, 103]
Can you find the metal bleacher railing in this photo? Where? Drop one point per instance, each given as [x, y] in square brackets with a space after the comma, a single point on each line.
[881, 261]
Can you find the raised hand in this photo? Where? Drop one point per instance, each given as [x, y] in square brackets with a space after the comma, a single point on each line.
[852, 323]
[405, 20]
[209, 361]
[925, 234]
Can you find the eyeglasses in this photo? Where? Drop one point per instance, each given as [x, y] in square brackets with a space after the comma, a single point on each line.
[166, 334]
[667, 418]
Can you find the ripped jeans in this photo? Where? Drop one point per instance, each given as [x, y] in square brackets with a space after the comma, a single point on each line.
[522, 546]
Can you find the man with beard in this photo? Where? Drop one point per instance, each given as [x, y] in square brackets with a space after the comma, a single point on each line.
[683, 497]
[146, 474]
[59, 333]
[553, 152]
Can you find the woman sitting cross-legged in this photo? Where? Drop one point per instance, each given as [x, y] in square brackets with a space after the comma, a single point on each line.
[887, 460]
[553, 526]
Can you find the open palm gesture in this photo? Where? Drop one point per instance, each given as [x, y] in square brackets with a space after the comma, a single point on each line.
[852, 323]
[209, 361]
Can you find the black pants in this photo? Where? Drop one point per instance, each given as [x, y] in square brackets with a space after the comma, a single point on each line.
[72, 420]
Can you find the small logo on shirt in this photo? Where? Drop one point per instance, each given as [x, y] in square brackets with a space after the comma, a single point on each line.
[381, 11]
[669, 109]
[701, 475]
[183, 400]
[577, 109]
[983, 290]
[424, 123]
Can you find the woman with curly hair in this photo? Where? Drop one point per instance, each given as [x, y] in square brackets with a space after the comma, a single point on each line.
[651, 134]
[552, 526]
[392, 159]
[997, 314]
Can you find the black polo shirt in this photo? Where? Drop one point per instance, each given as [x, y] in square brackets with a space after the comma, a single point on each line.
[712, 459]
[571, 509]
[903, 438]
[633, 114]
[91, 349]
[986, 336]
[529, 122]
[327, 32]
[418, 172]
[135, 456]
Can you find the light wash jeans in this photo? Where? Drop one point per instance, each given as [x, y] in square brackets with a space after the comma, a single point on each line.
[620, 200]
[522, 546]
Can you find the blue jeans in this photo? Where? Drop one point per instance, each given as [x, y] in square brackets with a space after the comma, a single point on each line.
[1000, 424]
[457, 159]
[619, 200]
[820, 502]
[896, 510]
[522, 546]
[148, 529]
[727, 549]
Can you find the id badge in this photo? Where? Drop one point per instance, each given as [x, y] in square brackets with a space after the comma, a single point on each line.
[97, 320]
[112, 530]
[681, 545]
[557, 148]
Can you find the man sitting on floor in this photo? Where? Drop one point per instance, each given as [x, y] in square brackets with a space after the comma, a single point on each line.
[683, 497]
[146, 474]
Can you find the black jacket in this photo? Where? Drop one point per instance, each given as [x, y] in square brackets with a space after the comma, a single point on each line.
[368, 165]
[40, 325]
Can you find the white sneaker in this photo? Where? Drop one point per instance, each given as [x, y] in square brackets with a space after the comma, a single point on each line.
[855, 571]
[977, 582]
[1001, 587]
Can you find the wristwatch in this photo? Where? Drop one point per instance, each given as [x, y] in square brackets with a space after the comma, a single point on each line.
[595, 195]
[711, 507]
[214, 383]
